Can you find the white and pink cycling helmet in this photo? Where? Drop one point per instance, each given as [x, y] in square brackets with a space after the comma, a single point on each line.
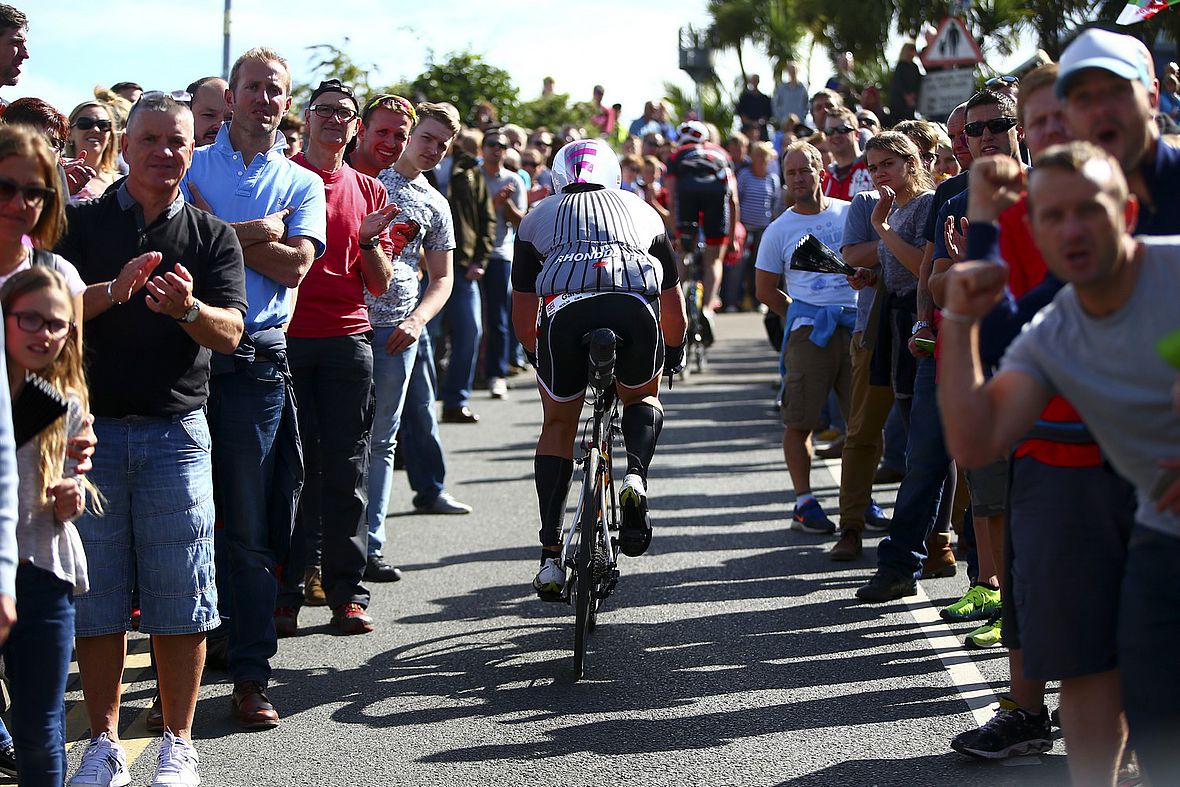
[586, 161]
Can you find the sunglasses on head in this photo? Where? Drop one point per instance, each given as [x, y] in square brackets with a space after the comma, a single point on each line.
[180, 96]
[87, 123]
[342, 114]
[1007, 79]
[34, 196]
[31, 322]
[844, 128]
[393, 103]
[1000, 125]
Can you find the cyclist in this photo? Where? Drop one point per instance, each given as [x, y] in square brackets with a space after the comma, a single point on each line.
[706, 197]
[594, 256]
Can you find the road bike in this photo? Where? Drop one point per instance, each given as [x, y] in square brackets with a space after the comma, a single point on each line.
[589, 550]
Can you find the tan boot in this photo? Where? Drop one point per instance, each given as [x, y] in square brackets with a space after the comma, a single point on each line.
[313, 589]
[940, 558]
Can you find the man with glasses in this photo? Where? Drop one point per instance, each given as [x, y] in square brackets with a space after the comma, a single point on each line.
[459, 178]
[331, 358]
[276, 207]
[510, 203]
[849, 175]
[152, 322]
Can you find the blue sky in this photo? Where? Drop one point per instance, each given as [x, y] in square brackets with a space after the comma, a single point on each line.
[628, 46]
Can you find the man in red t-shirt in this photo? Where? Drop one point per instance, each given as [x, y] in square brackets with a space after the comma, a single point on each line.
[328, 347]
[849, 176]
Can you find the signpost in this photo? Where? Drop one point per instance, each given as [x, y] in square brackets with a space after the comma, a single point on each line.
[942, 91]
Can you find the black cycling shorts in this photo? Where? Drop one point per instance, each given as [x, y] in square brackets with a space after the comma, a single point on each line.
[563, 360]
[709, 208]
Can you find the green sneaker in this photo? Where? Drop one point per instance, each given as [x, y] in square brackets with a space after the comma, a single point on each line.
[986, 636]
[978, 603]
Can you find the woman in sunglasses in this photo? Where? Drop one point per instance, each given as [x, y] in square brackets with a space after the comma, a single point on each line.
[93, 139]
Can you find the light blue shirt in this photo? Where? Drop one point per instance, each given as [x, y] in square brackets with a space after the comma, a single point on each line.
[237, 192]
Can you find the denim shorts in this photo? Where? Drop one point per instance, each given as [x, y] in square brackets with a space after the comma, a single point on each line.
[157, 531]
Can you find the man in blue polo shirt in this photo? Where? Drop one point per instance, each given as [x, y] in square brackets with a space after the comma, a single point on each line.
[277, 209]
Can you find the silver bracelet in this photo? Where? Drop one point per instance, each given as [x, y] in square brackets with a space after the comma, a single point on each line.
[961, 319]
[111, 294]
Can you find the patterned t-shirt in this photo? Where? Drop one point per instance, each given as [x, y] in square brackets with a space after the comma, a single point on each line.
[424, 219]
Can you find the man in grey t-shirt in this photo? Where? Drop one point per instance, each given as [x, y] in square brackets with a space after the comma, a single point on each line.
[1094, 345]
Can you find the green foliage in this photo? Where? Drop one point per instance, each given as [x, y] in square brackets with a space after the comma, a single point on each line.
[717, 107]
[553, 111]
[327, 61]
[465, 79]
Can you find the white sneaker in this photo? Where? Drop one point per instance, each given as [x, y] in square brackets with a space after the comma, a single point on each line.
[550, 580]
[177, 764]
[498, 387]
[104, 764]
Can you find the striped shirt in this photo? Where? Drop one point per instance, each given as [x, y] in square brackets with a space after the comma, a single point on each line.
[759, 198]
[590, 240]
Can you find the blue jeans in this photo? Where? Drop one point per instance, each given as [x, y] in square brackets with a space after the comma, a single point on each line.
[1148, 640]
[426, 468]
[391, 375]
[333, 384]
[157, 531]
[901, 553]
[245, 406]
[37, 655]
[497, 293]
[895, 440]
[459, 321]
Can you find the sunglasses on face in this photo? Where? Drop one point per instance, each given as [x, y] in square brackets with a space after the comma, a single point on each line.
[32, 322]
[394, 104]
[56, 143]
[867, 123]
[342, 114]
[841, 129]
[999, 125]
[87, 123]
[495, 145]
[1007, 79]
[34, 196]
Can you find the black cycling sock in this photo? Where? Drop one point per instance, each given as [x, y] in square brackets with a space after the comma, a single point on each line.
[552, 475]
[642, 423]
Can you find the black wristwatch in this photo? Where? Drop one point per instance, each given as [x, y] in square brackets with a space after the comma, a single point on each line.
[190, 314]
[370, 244]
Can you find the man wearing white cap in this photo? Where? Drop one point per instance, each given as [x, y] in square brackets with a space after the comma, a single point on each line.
[1111, 95]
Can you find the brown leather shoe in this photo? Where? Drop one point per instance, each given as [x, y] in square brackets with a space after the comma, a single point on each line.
[848, 547]
[155, 716]
[313, 589]
[458, 415]
[251, 707]
[940, 558]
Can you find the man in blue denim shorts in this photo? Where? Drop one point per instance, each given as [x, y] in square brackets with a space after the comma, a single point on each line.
[152, 324]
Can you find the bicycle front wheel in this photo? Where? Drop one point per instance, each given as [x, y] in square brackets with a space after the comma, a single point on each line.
[583, 561]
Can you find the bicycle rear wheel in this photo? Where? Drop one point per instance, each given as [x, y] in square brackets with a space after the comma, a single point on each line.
[584, 601]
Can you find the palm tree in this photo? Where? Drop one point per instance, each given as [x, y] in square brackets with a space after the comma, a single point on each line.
[734, 23]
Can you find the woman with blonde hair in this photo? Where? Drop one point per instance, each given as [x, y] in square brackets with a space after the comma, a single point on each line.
[42, 315]
[94, 138]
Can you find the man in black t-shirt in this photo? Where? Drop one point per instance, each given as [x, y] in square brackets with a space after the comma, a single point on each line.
[151, 324]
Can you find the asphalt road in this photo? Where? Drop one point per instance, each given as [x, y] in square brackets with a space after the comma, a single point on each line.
[733, 653]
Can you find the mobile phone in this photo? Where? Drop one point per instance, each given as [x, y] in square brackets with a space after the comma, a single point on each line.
[924, 344]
